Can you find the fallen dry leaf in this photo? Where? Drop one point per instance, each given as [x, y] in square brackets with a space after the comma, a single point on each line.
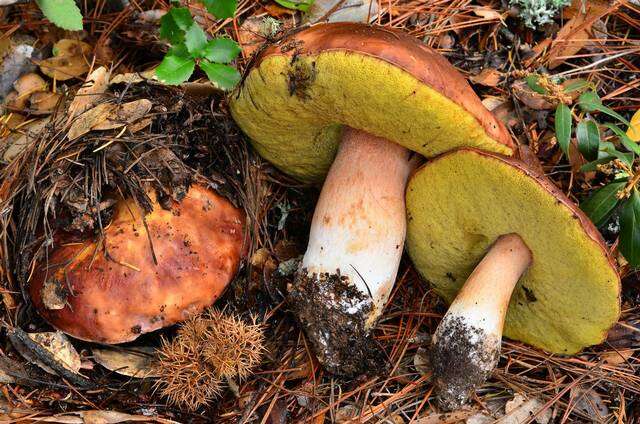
[43, 102]
[70, 60]
[132, 362]
[21, 138]
[487, 13]
[124, 114]
[520, 409]
[102, 417]
[91, 93]
[488, 76]
[89, 119]
[60, 348]
[446, 418]
[530, 98]
[590, 403]
[617, 357]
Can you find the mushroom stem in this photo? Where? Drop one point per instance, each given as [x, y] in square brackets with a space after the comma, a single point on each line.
[355, 245]
[466, 344]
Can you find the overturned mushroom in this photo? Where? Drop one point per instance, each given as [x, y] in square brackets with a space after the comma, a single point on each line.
[145, 273]
[532, 263]
[367, 97]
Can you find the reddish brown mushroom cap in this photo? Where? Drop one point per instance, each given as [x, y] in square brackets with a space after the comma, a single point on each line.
[113, 291]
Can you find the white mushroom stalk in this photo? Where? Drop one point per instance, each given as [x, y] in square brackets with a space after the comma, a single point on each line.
[466, 344]
[355, 245]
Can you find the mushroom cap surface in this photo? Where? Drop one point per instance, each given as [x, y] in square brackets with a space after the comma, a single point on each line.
[302, 89]
[112, 292]
[461, 202]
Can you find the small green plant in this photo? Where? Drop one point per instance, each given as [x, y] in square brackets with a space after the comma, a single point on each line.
[302, 5]
[616, 156]
[190, 47]
[62, 13]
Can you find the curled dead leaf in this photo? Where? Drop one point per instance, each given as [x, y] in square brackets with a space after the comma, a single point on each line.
[22, 137]
[488, 76]
[124, 114]
[70, 60]
[530, 98]
[91, 93]
[133, 362]
[43, 102]
[86, 121]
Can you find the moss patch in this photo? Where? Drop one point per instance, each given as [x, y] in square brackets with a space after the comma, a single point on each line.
[294, 111]
[460, 203]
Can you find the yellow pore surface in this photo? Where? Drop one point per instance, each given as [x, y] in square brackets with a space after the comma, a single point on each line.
[294, 111]
[459, 204]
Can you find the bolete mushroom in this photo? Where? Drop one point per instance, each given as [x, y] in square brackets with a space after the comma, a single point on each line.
[350, 102]
[532, 261]
[145, 273]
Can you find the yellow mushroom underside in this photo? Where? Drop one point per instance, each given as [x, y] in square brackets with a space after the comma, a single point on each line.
[460, 203]
[294, 111]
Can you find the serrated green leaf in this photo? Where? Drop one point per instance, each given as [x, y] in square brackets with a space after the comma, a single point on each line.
[62, 13]
[182, 17]
[169, 30]
[563, 125]
[302, 5]
[176, 67]
[221, 9]
[222, 76]
[221, 50]
[576, 85]
[602, 202]
[588, 137]
[629, 244]
[532, 82]
[196, 40]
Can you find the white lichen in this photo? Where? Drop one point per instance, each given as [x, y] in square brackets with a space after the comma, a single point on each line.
[535, 13]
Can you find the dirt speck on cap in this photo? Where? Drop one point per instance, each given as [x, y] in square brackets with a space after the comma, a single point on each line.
[333, 313]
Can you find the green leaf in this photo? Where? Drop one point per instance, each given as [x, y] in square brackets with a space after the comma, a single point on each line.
[532, 82]
[588, 137]
[176, 67]
[610, 149]
[593, 166]
[591, 102]
[170, 31]
[221, 9]
[222, 76]
[63, 13]
[563, 127]
[602, 202]
[221, 50]
[630, 229]
[576, 85]
[196, 40]
[182, 17]
[302, 5]
[624, 139]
